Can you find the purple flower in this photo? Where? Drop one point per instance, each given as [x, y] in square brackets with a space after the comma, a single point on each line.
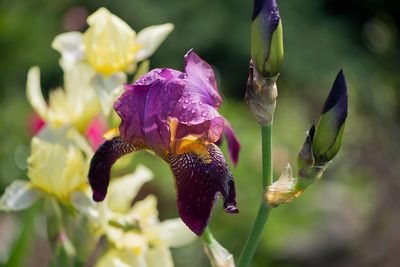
[175, 114]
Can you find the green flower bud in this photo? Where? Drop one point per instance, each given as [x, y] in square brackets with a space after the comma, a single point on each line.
[266, 38]
[329, 131]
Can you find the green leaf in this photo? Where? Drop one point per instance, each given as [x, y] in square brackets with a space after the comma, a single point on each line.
[18, 196]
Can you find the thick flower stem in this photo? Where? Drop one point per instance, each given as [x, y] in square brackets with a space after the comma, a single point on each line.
[262, 216]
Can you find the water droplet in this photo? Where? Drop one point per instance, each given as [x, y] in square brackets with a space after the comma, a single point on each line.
[184, 106]
[186, 101]
[193, 111]
[200, 103]
[203, 114]
[188, 93]
[179, 100]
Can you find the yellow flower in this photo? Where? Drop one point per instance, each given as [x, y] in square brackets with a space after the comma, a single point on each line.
[137, 236]
[112, 46]
[76, 104]
[56, 169]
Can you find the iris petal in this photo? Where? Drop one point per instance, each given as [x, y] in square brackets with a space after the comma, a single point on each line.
[198, 184]
[201, 75]
[103, 159]
[145, 105]
[233, 143]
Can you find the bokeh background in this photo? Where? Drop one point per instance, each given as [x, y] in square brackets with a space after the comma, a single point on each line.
[349, 218]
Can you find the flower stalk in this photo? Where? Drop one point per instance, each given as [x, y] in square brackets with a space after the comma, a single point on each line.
[263, 212]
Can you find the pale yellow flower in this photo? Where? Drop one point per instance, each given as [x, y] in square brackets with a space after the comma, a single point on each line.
[111, 45]
[56, 169]
[137, 236]
[76, 104]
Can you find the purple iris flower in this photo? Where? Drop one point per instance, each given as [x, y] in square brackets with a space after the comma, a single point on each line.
[175, 114]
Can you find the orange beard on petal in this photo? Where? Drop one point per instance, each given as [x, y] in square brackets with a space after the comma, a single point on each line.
[188, 144]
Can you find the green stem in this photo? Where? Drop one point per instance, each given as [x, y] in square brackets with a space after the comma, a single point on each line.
[262, 216]
[207, 236]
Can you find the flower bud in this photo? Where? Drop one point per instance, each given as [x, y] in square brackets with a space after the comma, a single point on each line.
[217, 254]
[329, 131]
[323, 141]
[266, 38]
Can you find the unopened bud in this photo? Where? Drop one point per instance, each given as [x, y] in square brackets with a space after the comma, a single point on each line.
[217, 254]
[329, 131]
[266, 38]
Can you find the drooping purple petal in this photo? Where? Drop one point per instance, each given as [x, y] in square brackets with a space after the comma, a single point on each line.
[233, 143]
[198, 184]
[103, 159]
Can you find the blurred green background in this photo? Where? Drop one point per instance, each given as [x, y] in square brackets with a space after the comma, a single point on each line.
[349, 218]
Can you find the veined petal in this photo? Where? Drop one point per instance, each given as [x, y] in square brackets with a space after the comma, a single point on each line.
[198, 184]
[34, 92]
[103, 159]
[144, 108]
[150, 38]
[201, 76]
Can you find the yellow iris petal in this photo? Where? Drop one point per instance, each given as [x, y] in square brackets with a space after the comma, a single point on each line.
[55, 169]
[109, 42]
